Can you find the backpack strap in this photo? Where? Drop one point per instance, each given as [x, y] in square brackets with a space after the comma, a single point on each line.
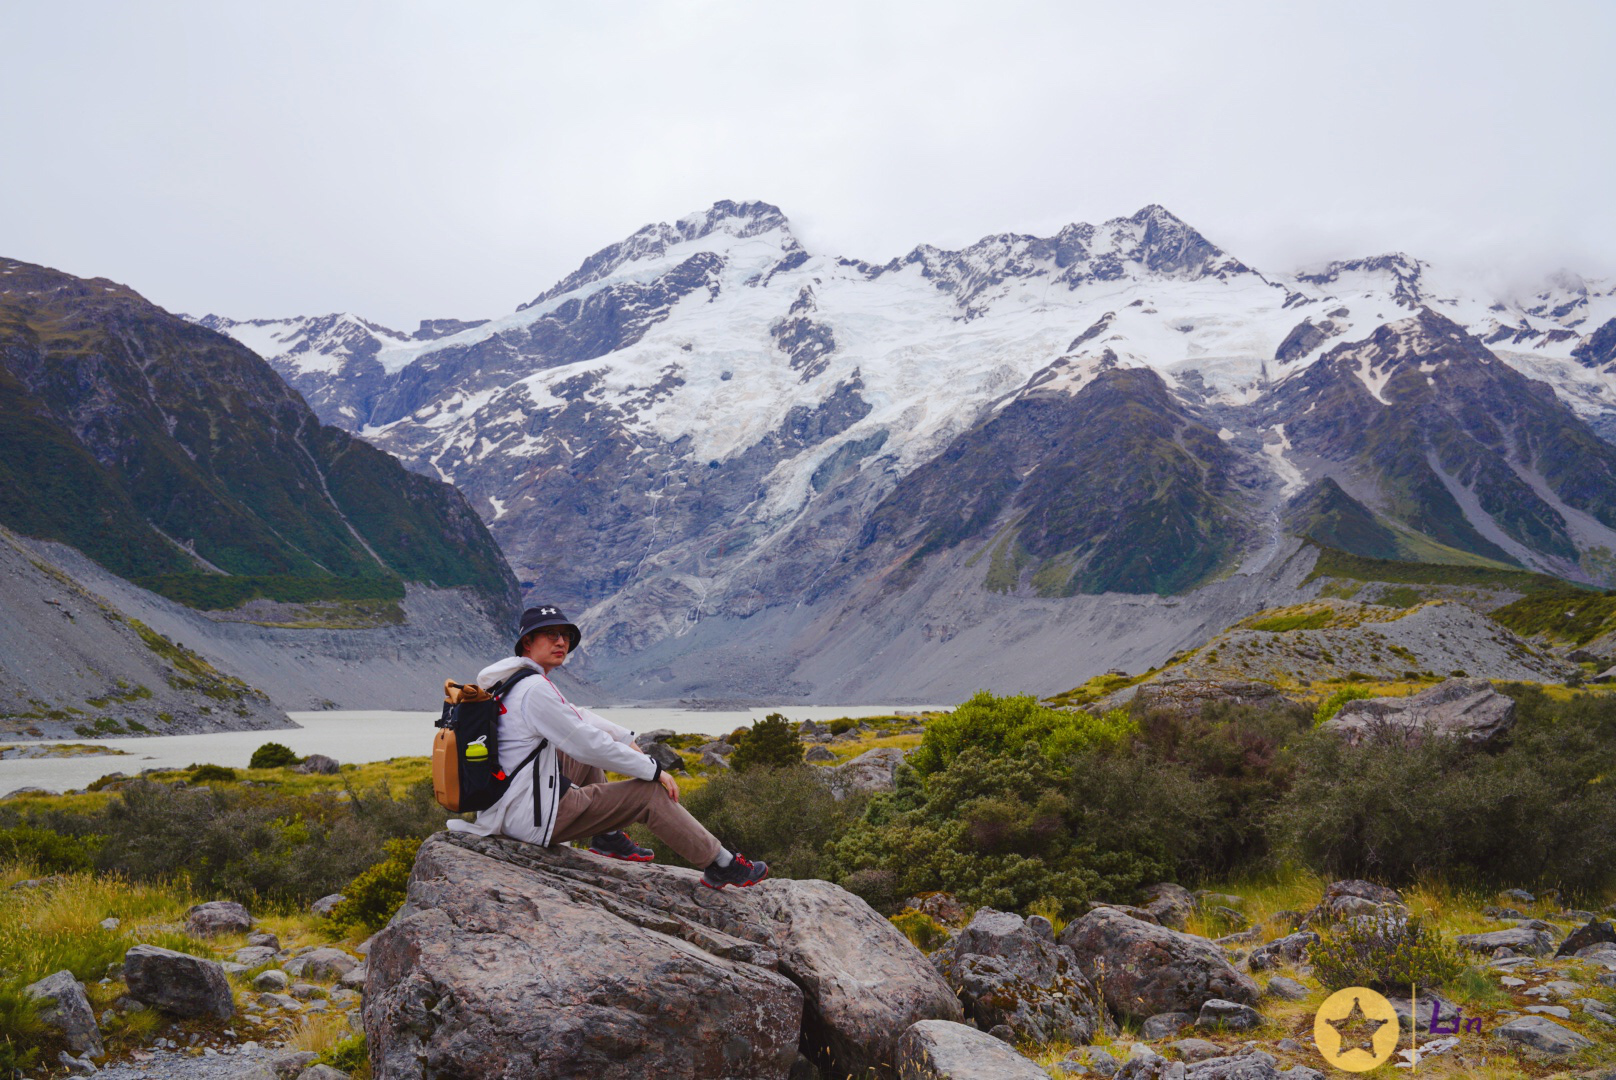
[499, 690]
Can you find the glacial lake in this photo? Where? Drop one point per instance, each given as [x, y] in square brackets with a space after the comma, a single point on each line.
[350, 737]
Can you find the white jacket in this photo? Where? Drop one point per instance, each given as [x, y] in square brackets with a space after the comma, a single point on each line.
[536, 711]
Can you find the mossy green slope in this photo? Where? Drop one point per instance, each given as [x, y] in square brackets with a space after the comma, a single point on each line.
[1113, 489]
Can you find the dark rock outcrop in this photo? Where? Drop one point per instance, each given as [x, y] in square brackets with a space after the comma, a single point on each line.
[186, 986]
[511, 960]
[1468, 709]
[1583, 937]
[1004, 972]
[1144, 969]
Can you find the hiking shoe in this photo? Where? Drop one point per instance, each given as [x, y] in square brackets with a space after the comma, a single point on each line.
[740, 871]
[617, 845]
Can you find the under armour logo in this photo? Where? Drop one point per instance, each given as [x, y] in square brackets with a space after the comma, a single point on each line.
[547, 611]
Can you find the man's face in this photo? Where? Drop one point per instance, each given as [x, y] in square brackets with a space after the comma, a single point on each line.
[548, 647]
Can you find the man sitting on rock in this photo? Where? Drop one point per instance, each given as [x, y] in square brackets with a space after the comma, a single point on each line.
[563, 795]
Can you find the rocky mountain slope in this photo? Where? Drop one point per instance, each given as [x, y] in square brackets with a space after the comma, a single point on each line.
[177, 459]
[737, 455]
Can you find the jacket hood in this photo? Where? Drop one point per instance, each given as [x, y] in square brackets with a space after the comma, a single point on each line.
[504, 668]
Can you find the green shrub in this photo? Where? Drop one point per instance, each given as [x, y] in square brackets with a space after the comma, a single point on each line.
[1000, 725]
[783, 816]
[1332, 704]
[349, 1055]
[212, 774]
[273, 755]
[923, 931]
[48, 851]
[1537, 811]
[991, 829]
[1387, 952]
[252, 843]
[22, 1034]
[772, 743]
[842, 725]
[375, 896]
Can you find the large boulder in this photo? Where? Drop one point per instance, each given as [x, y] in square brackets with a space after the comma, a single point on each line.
[64, 1006]
[184, 985]
[1006, 973]
[1144, 969]
[1587, 936]
[1521, 939]
[1188, 697]
[940, 1050]
[871, 772]
[217, 917]
[1468, 709]
[1346, 899]
[507, 955]
[1543, 1034]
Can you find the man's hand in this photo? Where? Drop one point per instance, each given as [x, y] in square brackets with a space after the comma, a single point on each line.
[669, 785]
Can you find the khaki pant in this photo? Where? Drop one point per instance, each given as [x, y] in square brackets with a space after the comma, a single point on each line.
[592, 806]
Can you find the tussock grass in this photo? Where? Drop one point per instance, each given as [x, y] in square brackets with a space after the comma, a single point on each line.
[318, 1032]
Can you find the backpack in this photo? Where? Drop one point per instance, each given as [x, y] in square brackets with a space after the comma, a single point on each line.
[465, 752]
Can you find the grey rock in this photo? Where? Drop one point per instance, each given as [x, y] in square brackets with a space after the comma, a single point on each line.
[306, 991]
[264, 938]
[1291, 949]
[505, 951]
[1429, 1003]
[65, 1007]
[110, 923]
[1042, 927]
[1301, 1072]
[322, 1072]
[322, 963]
[1344, 899]
[288, 1064]
[871, 772]
[817, 754]
[355, 979]
[717, 746]
[1193, 1050]
[217, 917]
[1163, 1025]
[708, 757]
[1520, 939]
[1559, 1012]
[186, 986]
[1286, 989]
[1153, 1067]
[665, 756]
[1005, 972]
[232, 968]
[324, 906]
[1247, 1065]
[1144, 969]
[272, 981]
[318, 763]
[1468, 709]
[1218, 1014]
[646, 738]
[943, 1050]
[1519, 896]
[1541, 1033]
[1095, 1059]
[1171, 905]
[83, 1066]
[254, 955]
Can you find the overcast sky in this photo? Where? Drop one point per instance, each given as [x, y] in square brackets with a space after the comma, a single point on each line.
[417, 160]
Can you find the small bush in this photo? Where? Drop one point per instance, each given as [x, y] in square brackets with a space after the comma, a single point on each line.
[923, 931]
[1003, 725]
[842, 725]
[47, 851]
[783, 816]
[772, 743]
[1332, 704]
[1387, 952]
[273, 755]
[375, 896]
[212, 774]
[349, 1055]
[22, 1033]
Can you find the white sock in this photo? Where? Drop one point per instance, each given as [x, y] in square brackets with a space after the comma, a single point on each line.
[724, 857]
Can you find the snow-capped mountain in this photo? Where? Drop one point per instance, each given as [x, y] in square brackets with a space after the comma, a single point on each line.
[707, 422]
